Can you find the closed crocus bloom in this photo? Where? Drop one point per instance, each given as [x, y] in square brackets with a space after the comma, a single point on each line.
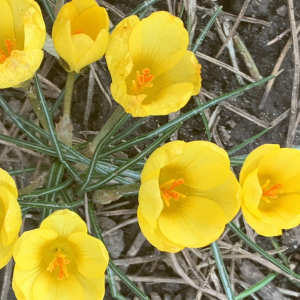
[80, 33]
[152, 71]
[22, 36]
[188, 194]
[59, 260]
[10, 217]
[270, 179]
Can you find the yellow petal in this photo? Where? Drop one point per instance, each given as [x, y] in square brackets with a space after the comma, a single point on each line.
[253, 159]
[90, 254]
[252, 193]
[158, 42]
[82, 43]
[81, 6]
[187, 70]
[282, 212]
[23, 282]
[259, 226]
[161, 157]
[6, 253]
[227, 195]
[64, 222]
[92, 53]
[7, 181]
[6, 17]
[47, 287]
[281, 166]
[150, 202]
[192, 221]
[202, 165]
[118, 44]
[34, 29]
[31, 249]
[156, 237]
[12, 218]
[91, 22]
[19, 67]
[169, 100]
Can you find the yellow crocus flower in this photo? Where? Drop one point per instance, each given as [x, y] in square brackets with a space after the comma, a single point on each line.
[152, 71]
[22, 36]
[188, 194]
[10, 217]
[270, 178]
[59, 260]
[80, 33]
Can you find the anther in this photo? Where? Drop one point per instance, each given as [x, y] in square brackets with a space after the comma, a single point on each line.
[141, 81]
[59, 260]
[272, 192]
[167, 190]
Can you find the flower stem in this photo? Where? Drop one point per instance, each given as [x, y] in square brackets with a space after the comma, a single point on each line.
[108, 126]
[69, 93]
[35, 103]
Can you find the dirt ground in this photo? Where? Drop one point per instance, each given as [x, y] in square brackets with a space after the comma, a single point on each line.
[236, 121]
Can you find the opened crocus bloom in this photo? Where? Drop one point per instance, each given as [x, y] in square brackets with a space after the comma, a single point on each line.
[80, 33]
[59, 260]
[10, 217]
[270, 179]
[188, 194]
[22, 36]
[152, 71]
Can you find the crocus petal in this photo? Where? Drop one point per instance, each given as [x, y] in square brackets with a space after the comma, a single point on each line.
[23, 282]
[227, 195]
[260, 227]
[191, 221]
[162, 157]
[12, 217]
[281, 212]
[82, 43]
[34, 28]
[253, 159]
[6, 253]
[81, 6]
[31, 249]
[186, 70]
[6, 17]
[64, 222]
[7, 181]
[158, 42]
[47, 287]
[118, 47]
[90, 255]
[281, 166]
[209, 162]
[19, 67]
[252, 193]
[94, 52]
[156, 237]
[150, 202]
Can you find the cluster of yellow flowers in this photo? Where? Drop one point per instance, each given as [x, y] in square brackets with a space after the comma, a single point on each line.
[188, 192]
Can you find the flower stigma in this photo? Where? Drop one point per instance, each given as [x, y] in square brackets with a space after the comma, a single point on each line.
[167, 190]
[272, 192]
[141, 81]
[9, 45]
[59, 260]
[80, 30]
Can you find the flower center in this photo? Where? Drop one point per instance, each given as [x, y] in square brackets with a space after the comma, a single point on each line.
[141, 81]
[79, 30]
[167, 190]
[9, 45]
[272, 192]
[59, 260]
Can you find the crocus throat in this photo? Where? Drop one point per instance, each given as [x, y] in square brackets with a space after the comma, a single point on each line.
[167, 190]
[141, 81]
[59, 260]
[10, 46]
[79, 30]
[272, 192]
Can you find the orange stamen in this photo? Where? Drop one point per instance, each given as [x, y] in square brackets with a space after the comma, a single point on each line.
[167, 190]
[59, 260]
[272, 192]
[10, 46]
[80, 30]
[141, 81]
